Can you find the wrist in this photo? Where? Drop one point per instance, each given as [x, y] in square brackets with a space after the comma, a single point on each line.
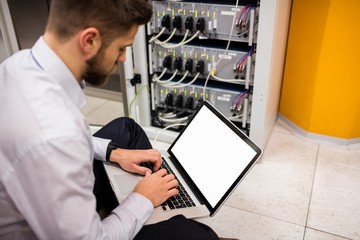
[111, 146]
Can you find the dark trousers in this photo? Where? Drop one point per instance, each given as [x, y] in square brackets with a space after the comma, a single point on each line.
[129, 135]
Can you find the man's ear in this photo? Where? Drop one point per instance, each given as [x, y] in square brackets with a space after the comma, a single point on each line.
[90, 42]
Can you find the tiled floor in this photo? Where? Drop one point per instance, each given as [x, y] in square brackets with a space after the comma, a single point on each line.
[99, 111]
[299, 189]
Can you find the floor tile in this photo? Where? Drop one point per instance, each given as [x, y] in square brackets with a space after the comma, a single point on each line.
[92, 103]
[354, 146]
[281, 127]
[311, 234]
[230, 222]
[279, 186]
[335, 202]
[106, 112]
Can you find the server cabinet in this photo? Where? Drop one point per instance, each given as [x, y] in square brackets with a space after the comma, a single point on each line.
[229, 53]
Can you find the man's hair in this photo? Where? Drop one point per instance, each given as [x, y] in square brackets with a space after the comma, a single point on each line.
[111, 17]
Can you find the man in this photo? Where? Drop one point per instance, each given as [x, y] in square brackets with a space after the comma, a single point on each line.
[46, 169]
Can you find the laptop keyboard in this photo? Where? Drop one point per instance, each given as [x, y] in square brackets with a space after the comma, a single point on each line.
[182, 200]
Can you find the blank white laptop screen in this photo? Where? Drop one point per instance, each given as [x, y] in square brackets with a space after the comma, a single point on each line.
[207, 145]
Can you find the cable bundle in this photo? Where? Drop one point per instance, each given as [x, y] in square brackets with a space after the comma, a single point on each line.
[179, 114]
[240, 66]
[243, 18]
[178, 84]
[238, 101]
[165, 43]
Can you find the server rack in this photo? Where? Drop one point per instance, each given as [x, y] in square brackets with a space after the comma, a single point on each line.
[230, 53]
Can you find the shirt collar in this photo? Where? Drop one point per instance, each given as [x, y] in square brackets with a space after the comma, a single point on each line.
[51, 63]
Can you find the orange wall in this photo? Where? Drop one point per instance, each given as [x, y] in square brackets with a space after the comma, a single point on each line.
[321, 85]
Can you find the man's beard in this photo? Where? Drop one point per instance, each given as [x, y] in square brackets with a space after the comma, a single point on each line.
[94, 74]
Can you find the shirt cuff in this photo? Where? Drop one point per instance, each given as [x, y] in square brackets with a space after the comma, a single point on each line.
[129, 217]
[100, 147]
[132, 203]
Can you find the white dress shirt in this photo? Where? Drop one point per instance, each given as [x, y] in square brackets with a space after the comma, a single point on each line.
[46, 154]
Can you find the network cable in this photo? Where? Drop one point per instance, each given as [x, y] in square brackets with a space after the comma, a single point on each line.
[176, 120]
[169, 114]
[170, 45]
[178, 85]
[161, 75]
[243, 33]
[243, 17]
[173, 114]
[238, 101]
[165, 41]
[158, 35]
[162, 130]
[136, 95]
[158, 79]
[235, 117]
[226, 50]
[175, 83]
[176, 115]
[240, 65]
[228, 80]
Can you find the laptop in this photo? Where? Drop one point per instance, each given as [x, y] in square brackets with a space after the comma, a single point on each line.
[209, 157]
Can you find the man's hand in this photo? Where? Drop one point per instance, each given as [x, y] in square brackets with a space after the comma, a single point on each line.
[157, 187]
[130, 160]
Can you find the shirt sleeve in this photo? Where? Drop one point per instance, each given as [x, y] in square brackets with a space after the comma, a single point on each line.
[100, 147]
[51, 185]
[130, 215]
